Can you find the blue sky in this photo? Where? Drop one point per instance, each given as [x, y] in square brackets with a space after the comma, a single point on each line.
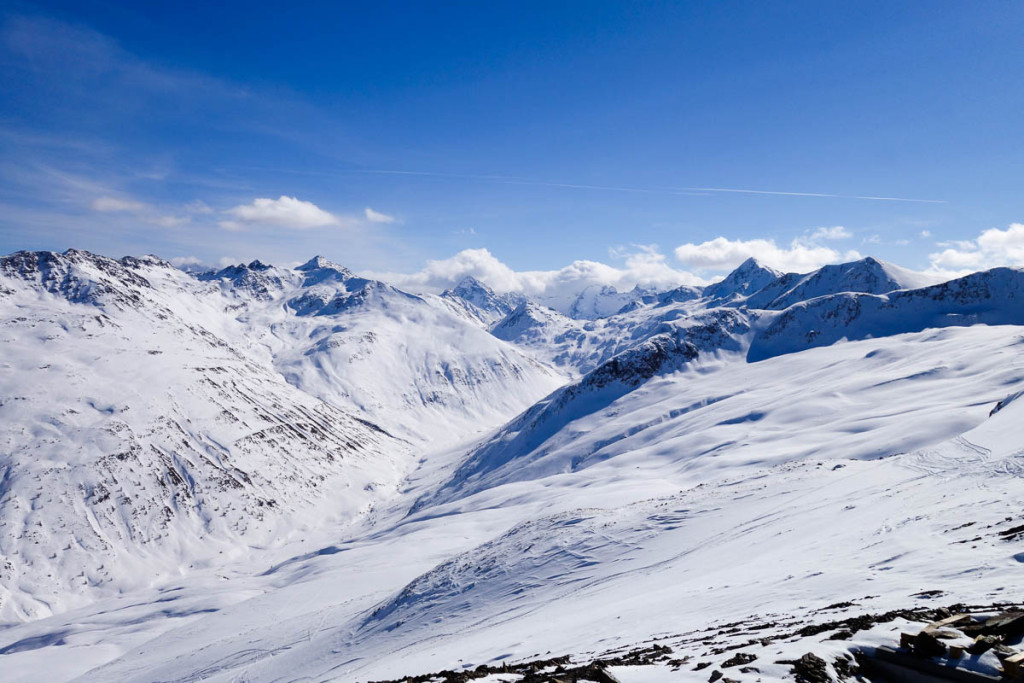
[521, 137]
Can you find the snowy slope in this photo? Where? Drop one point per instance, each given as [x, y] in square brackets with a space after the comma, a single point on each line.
[649, 541]
[152, 420]
[710, 463]
[137, 442]
[419, 369]
[479, 302]
[749, 277]
[868, 275]
[602, 301]
[990, 297]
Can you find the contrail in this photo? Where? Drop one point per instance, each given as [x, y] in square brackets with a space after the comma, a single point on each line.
[689, 191]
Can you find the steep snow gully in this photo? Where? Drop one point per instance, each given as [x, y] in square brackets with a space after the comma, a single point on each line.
[267, 474]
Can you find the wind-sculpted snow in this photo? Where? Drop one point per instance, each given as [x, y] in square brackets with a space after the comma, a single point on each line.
[784, 546]
[718, 412]
[991, 298]
[521, 449]
[877, 533]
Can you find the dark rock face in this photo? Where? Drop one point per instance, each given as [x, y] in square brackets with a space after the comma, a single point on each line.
[78, 276]
[641, 362]
[256, 279]
[928, 645]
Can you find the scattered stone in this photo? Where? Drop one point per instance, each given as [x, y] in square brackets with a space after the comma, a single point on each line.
[983, 644]
[811, 669]
[845, 667]
[1007, 624]
[738, 659]
[926, 644]
[715, 675]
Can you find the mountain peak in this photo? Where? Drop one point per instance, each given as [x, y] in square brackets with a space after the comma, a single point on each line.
[747, 278]
[319, 262]
[480, 301]
[470, 284]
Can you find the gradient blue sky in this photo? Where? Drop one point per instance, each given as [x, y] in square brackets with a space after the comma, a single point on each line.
[541, 132]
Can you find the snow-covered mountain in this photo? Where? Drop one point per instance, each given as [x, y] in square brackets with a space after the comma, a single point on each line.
[475, 299]
[868, 275]
[602, 301]
[292, 474]
[137, 438]
[153, 420]
[350, 341]
[749, 277]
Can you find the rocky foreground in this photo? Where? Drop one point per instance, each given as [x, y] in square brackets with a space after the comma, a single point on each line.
[839, 648]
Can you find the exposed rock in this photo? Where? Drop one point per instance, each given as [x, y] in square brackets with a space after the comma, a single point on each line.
[738, 659]
[811, 669]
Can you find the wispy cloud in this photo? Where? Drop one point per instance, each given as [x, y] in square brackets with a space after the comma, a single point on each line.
[689, 191]
[836, 232]
[378, 217]
[112, 204]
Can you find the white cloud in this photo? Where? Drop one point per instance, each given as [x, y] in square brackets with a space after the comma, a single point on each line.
[644, 266]
[993, 247]
[377, 217]
[285, 212]
[721, 254]
[179, 261]
[113, 204]
[925, 234]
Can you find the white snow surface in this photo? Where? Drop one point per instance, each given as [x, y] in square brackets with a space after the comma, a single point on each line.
[710, 462]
